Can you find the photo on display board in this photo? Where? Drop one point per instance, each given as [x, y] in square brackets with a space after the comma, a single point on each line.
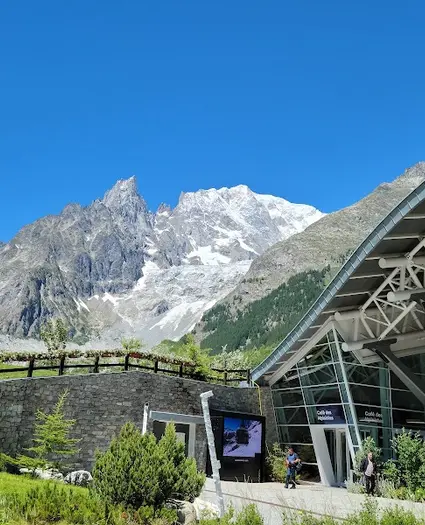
[242, 437]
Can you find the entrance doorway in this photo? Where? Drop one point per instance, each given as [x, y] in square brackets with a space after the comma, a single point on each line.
[339, 453]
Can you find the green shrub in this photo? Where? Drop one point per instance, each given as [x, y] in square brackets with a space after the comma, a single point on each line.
[138, 471]
[368, 445]
[50, 502]
[420, 495]
[409, 449]
[355, 487]
[391, 472]
[385, 488]
[249, 515]
[399, 516]
[276, 463]
[307, 519]
[52, 445]
[3, 462]
[367, 516]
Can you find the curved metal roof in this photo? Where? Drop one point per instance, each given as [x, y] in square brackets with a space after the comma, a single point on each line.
[362, 275]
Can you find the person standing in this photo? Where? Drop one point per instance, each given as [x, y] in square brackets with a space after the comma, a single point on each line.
[291, 468]
[369, 469]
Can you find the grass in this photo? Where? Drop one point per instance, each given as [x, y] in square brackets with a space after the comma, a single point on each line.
[10, 484]
[20, 485]
[20, 375]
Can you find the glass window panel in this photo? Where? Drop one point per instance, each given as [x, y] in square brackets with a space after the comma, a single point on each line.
[408, 419]
[297, 434]
[416, 363]
[349, 357]
[290, 380]
[283, 398]
[398, 384]
[317, 375]
[310, 473]
[322, 395]
[305, 452]
[363, 375]
[291, 416]
[381, 436]
[319, 355]
[373, 416]
[368, 395]
[403, 399]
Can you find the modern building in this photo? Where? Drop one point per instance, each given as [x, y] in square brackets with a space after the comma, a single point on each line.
[354, 366]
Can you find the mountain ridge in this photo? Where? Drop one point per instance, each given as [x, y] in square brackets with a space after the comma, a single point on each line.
[115, 267]
[326, 242]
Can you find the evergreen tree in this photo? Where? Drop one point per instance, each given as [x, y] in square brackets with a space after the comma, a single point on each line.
[267, 321]
[54, 335]
[131, 345]
[138, 471]
[52, 444]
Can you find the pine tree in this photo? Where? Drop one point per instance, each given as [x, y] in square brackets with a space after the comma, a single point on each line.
[52, 444]
[54, 335]
[131, 345]
[137, 470]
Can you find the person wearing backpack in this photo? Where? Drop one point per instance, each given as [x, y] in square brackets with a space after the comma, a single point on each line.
[293, 464]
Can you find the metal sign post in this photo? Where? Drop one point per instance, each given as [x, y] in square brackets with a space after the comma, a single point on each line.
[215, 464]
[145, 419]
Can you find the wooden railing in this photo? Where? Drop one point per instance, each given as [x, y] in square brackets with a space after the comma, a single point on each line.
[132, 361]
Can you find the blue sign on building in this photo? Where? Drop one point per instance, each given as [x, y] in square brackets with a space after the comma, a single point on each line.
[330, 415]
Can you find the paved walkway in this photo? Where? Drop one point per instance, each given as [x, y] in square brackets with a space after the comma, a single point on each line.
[272, 499]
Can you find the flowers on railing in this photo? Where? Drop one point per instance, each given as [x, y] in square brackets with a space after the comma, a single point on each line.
[6, 357]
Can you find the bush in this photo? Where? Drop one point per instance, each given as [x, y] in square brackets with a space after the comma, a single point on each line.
[385, 488]
[367, 446]
[392, 472]
[52, 444]
[276, 463]
[410, 452]
[355, 487]
[50, 502]
[369, 515]
[249, 515]
[138, 471]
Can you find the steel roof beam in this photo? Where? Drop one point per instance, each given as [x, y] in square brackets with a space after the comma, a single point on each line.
[400, 262]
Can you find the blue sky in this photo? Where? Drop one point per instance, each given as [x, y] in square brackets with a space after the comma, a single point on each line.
[317, 102]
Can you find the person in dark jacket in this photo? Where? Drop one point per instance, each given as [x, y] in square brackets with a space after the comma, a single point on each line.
[369, 469]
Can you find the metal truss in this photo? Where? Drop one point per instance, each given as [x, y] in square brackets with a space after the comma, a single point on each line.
[395, 308]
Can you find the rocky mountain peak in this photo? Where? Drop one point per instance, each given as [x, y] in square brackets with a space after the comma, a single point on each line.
[123, 193]
[125, 203]
[115, 267]
[163, 208]
[413, 174]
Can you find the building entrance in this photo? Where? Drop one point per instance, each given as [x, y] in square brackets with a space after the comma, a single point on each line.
[339, 453]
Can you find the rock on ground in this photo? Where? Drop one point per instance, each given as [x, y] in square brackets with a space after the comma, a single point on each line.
[43, 474]
[205, 509]
[81, 478]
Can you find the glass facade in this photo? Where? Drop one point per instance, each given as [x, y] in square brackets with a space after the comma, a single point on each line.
[333, 389]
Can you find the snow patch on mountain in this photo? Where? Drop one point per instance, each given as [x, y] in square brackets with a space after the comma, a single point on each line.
[117, 269]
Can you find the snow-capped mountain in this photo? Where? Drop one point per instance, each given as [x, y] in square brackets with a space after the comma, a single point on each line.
[114, 268]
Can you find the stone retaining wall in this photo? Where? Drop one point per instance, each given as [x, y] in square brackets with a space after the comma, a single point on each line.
[102, 403]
